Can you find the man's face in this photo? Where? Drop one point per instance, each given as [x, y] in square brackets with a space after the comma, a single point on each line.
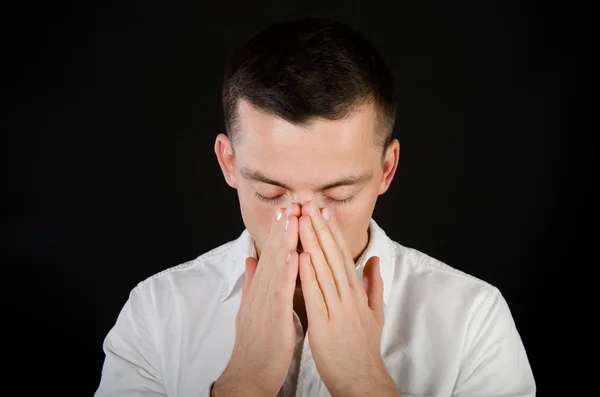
[277, 163]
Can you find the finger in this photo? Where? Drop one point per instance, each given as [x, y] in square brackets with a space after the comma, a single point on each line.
[290, 276]
[274, 242]
[323, 272]
[316, 308]
[294, 209]
[250, 270]
[272, 264]
[331, 251]
[374, 287]
[251, 264]
[348, 260]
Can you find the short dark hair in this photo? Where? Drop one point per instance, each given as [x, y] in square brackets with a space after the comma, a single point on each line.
[308, 68]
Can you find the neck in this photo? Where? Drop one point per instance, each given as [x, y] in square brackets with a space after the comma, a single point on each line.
[364, 245]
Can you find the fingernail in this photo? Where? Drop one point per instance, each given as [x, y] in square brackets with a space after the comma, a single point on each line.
[314, 209]
[326, 214]
[287, 222]
[289, 257]
[279, 214]
[289, 211]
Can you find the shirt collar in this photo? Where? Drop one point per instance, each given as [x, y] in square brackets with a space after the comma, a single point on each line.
[379, 245]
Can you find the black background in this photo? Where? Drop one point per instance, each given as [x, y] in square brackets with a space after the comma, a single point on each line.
[111, 175]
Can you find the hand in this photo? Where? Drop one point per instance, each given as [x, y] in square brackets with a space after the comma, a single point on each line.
[265, 330]
[345, 319]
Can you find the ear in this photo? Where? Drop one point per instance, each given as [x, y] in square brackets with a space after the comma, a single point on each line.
[390, 164]
[224, 153]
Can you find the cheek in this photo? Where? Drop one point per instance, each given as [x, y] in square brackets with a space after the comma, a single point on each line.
[354, 219]
[351, 214]
[257, 217]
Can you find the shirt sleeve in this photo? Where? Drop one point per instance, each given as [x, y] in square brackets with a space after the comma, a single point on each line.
[131, 365]
[495, 363]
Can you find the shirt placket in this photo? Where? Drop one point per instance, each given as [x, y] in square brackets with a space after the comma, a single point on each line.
[289, 385]
[303, 378]
[309, 381]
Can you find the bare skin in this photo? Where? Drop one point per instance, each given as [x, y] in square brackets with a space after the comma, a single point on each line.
[265, 330]
[329, 164]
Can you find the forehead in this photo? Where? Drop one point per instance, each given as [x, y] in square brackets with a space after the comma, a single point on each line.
[318, 151]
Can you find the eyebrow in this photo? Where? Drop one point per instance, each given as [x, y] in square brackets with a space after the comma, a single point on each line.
[256, 175]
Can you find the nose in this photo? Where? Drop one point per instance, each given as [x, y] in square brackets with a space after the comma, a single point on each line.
[307, 207]
[305, 197]
[296, 209]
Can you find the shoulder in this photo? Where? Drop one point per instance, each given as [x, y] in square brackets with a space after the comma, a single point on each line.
[200, 276]
[425, 277]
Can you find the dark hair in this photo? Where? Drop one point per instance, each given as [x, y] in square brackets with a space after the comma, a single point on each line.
[308, 68]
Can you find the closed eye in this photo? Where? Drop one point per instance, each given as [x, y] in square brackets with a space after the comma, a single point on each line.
[277, 199]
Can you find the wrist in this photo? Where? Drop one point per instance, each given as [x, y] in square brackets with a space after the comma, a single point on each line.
[386, 387]
[380, 385]
[230, 386]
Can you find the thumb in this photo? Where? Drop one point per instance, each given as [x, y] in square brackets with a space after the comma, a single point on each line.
[251, 264]
[374, 287]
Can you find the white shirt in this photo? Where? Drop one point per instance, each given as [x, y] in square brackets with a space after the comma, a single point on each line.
[446, 333]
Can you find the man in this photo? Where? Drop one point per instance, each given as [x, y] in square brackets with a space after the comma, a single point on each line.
[313, 299]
